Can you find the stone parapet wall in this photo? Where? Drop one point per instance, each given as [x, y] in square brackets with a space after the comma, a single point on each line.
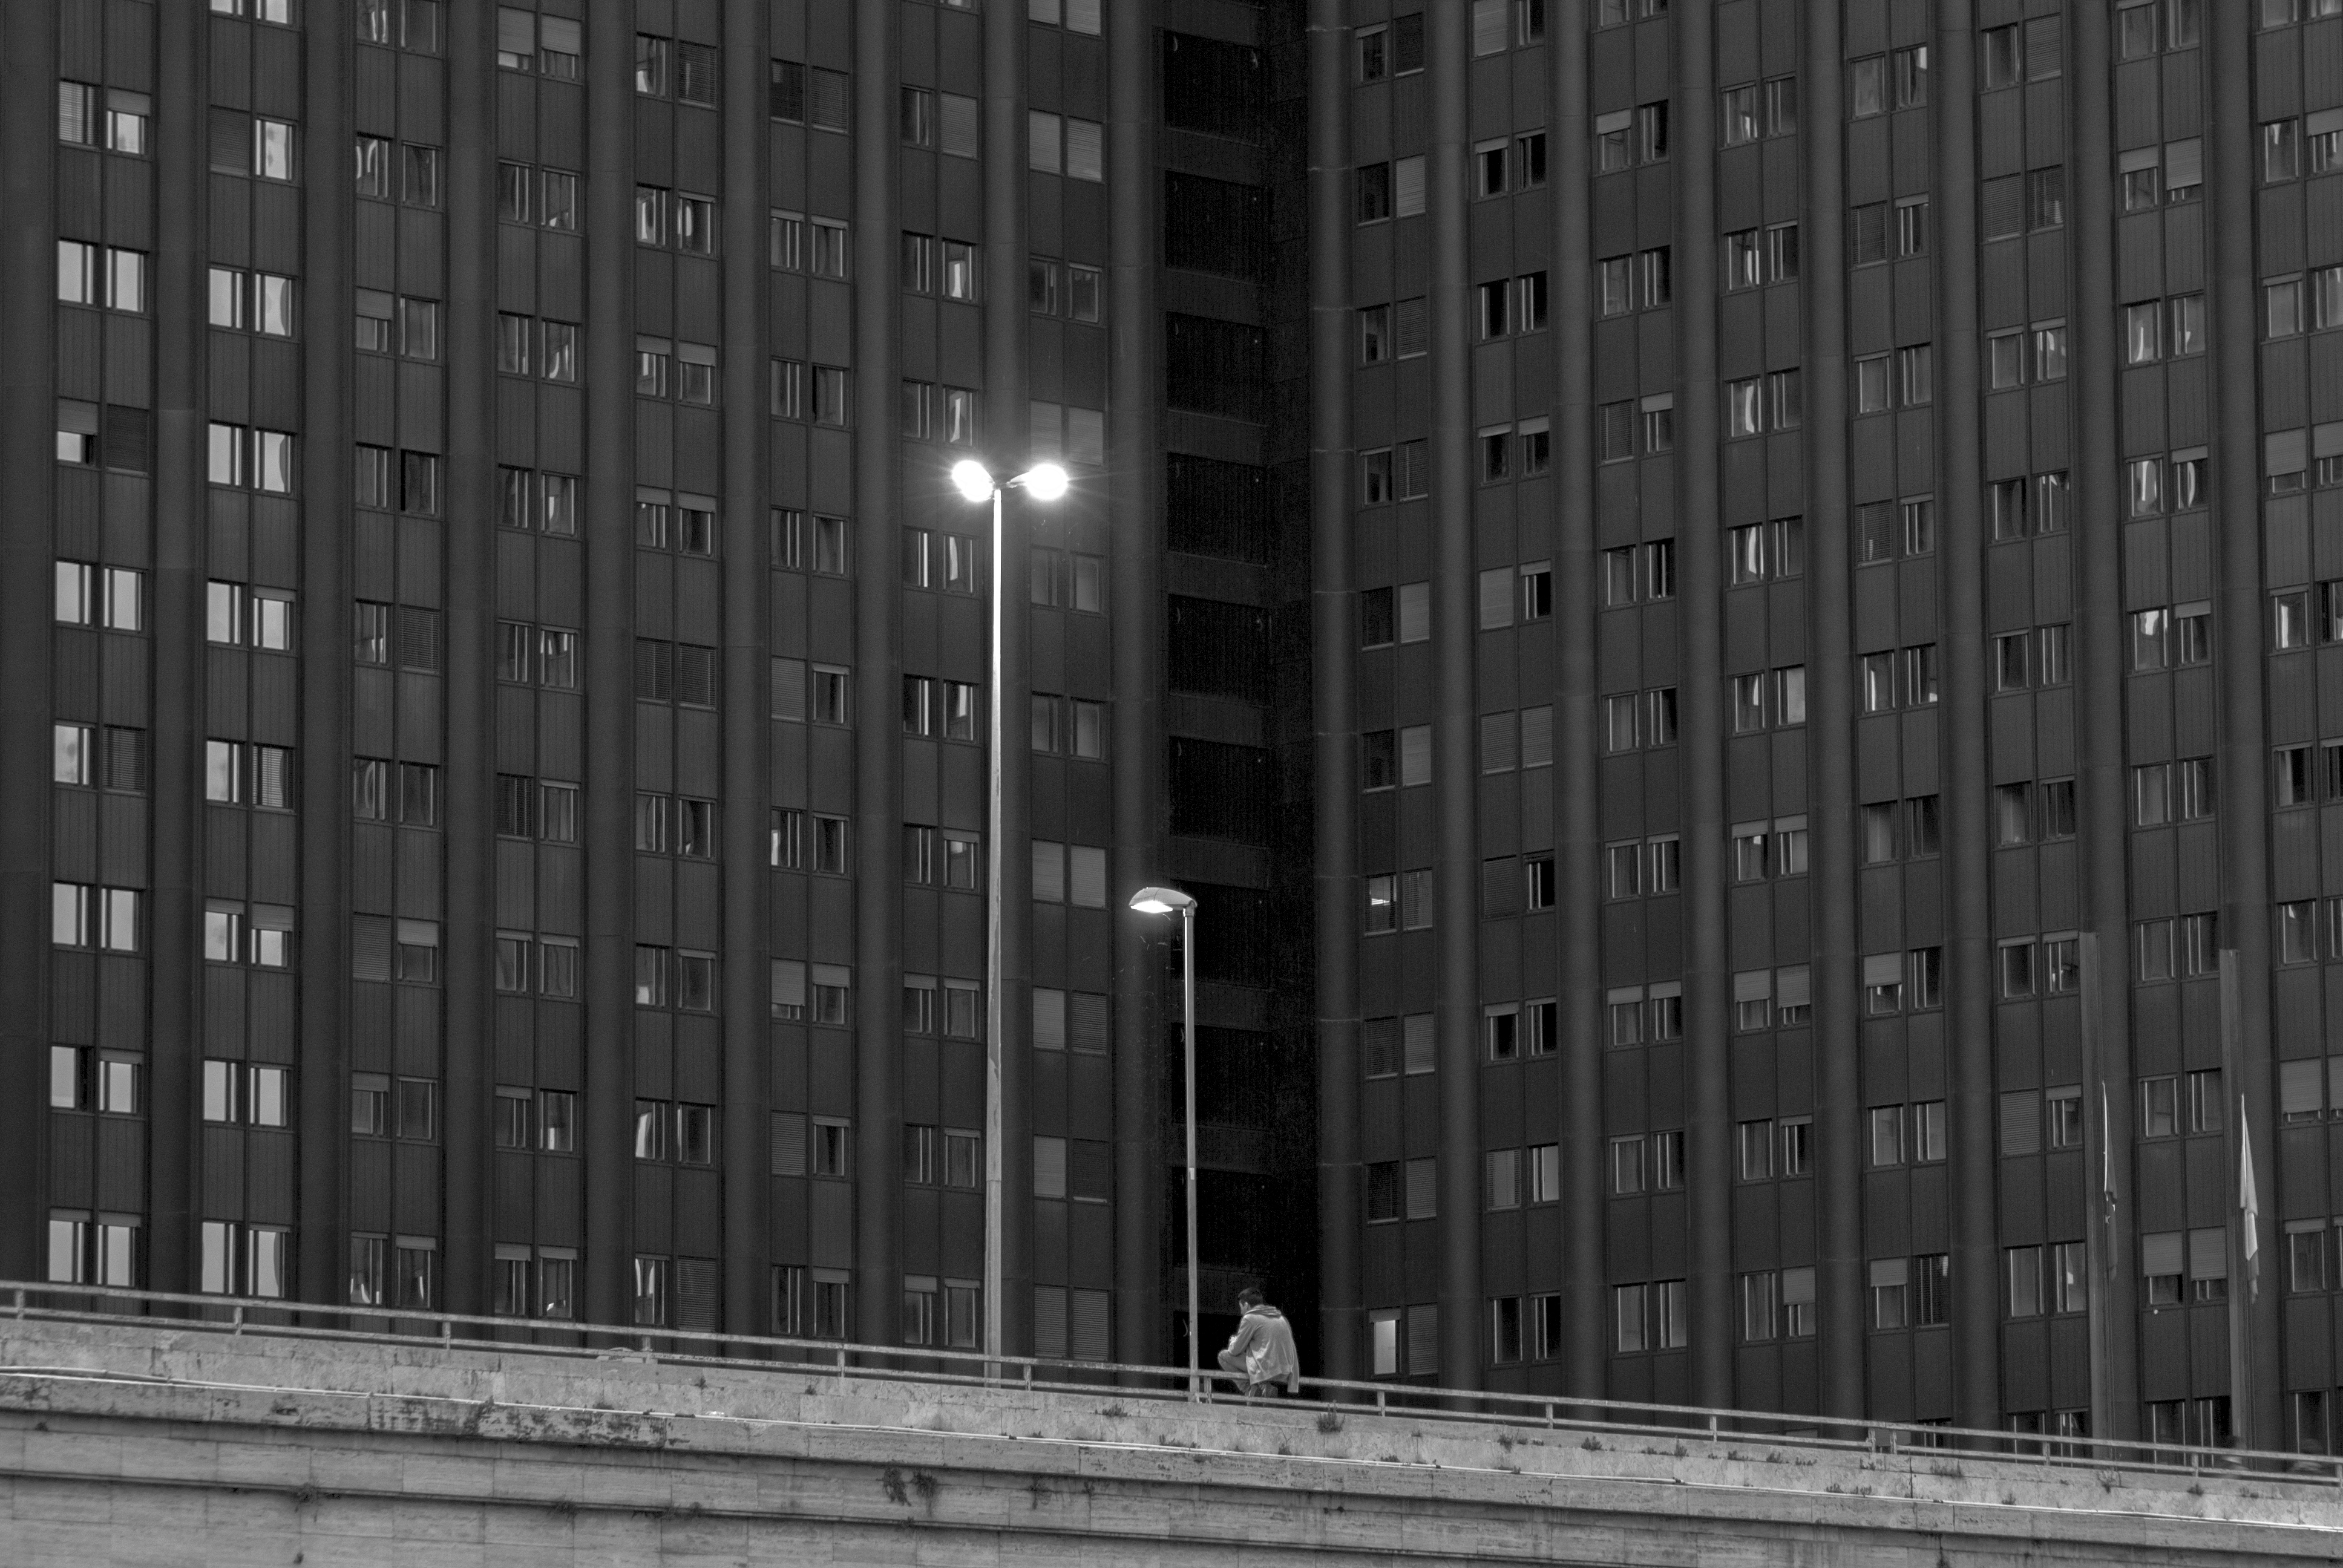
[129, 1442]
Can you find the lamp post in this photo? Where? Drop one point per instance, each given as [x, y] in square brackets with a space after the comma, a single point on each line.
[1163, 901]
[1043, 482]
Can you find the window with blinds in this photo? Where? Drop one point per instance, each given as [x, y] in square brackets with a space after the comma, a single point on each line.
[1500, 750]
[1422, 1340]
[1091, 1326]
[1048, 1167]
[695, 1292]
[788, 1142]
[416, 637]
[2021, 1124]
[1417, 1043]
[1092, 1021]
[1423, 1178]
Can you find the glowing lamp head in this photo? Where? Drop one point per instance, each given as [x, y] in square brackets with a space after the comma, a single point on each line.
[971, 479]
[1161, 900]
[1045, 481]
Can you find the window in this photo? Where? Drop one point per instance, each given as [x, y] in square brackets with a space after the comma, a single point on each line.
[1915, 376]
[2049, 352]
[1888, 1279]
[1611, 140]
[1652, 132]
[1910, 67]
[1866, 88]
[1659, 422]
[2280, 150]
[1872, 385]
[1739, 116]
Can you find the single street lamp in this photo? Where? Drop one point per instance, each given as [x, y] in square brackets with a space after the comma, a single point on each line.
[1043, 482]
[1163, 901]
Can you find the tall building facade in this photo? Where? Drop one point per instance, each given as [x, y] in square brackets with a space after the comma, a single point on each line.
[1652, 563]
[1819, 528]
[500, 677]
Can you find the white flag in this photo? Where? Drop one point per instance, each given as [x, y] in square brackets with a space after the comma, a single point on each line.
[2249, 1203]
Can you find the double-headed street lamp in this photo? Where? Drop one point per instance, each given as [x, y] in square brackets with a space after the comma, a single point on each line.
[1163, 901]
[1043, 482]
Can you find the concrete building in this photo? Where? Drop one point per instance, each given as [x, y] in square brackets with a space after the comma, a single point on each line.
[1650, 564]
[1816, 837]
[498, 677]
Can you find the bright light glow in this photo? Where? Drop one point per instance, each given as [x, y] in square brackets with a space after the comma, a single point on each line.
[1161, 900]
[1045, 481]
[970, 478]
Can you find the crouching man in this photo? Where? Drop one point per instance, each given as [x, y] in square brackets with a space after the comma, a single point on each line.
[1260, 1352]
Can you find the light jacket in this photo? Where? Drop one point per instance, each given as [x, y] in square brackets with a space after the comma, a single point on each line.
[1265, 1342]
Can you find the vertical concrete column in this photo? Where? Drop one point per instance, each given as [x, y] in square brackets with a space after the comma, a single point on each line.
[28, 264]
[1455, 764]
[1135, 518]
[469, 508]
[182, 548]
[320, 1253]
[747, 683]
[1968, 933]
[1830, 721]
[877, 686]
[2095, 492]
[1578, 820]
[609, 538]
[2245, 786]
[1005, 437]
[1699, 571]
[1333, 636]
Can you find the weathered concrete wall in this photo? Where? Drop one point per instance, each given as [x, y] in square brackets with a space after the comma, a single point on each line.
[129, 1444]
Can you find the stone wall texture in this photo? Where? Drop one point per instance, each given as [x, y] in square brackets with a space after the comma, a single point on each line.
[134, 1445]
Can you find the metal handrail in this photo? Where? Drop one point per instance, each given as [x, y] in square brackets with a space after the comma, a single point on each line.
[844, 1359]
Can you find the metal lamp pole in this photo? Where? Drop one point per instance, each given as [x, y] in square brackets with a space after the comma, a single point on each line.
[1043, 482]
[1162, 901]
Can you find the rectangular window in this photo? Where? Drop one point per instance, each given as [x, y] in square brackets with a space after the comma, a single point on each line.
[1866, 88]
[1888, 1283]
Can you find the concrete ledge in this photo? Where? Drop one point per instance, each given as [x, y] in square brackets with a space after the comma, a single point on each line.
[412, 1448]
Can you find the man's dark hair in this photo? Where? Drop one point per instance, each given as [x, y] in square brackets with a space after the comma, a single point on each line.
[1250, 1296]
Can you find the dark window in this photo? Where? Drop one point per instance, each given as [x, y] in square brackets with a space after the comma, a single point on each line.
[785, 100]
[1216, 226]
[1212, 508]
[1407, 43]
[1221, 89]
[1212, 367]
[1222, 791]
[1254, 944]
[1219, 649]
